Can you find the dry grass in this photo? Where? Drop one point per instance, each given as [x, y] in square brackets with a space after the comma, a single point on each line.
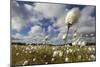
[43, 54]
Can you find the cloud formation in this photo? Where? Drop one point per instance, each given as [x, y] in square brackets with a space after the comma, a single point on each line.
[48, 20]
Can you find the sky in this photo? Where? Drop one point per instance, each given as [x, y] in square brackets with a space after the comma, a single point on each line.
[32, 21]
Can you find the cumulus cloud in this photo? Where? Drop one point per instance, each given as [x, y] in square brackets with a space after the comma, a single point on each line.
[19, 18]
[36, 34]
[86, 22]
[22, 14]
[88, 10]
[18, 38]
[50, 10]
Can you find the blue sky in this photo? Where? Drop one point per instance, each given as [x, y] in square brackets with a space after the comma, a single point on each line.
[32, 21]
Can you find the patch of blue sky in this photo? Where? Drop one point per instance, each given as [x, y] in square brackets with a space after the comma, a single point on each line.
[46, 23]
[70, 6]
[24, 31]
[13, 32]
[25, 2]
[94, 12]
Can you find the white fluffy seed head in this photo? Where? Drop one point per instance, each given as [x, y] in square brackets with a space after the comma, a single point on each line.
[79, 43]
[46, 37]
[17, 54]
[83, 43]
[53, 48]
[70, 50]
[15, 46]
[25, 62]
[46, 62]
[75, 34]
[57, 53]
[30, 51]
[52, 59]
[34, 59]
[64, 37]
[79, 57]
[89, 48]
[72, 16]
[27, 48]
[93, 48]
[67, 51]
[66, 59]
[60, 54]
[92, 57]
[74, 43]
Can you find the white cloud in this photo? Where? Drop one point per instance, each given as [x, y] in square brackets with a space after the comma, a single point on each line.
[87, 22]
[36, 34]
[18, 36]
[35, 30]
[17, 20]
[22, 15]
[15, 25]
[50, 10]
[50, 28]
[60, 23]
[88, 10]
[28, 7]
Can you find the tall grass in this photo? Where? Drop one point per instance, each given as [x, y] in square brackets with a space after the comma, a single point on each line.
[43, 54]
